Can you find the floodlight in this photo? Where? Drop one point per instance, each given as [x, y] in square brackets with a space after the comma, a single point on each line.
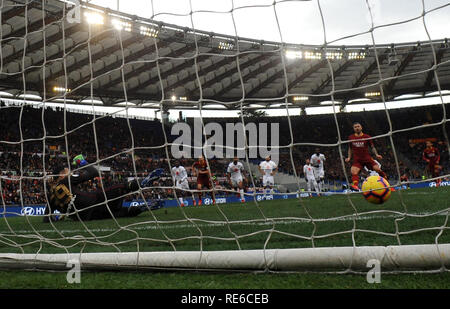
[61, 89]
[94, 18]
[372, 94]
[299, 98]
[334, 55]
[226, 45]
[149, 31]
[121, 25]
[294, 54]
[356, 55]
[312, 55]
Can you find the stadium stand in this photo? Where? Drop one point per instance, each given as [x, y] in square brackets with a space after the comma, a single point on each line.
[114, 153]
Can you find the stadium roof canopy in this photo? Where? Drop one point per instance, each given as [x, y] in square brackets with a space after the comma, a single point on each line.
[115, 57]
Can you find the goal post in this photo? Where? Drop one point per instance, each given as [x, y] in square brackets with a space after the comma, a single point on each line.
[62, 62]
[391, 259]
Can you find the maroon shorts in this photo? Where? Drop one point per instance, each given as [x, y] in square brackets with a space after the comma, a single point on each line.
[433, 167]
[432, 164]
[204, 181]
[361, 162]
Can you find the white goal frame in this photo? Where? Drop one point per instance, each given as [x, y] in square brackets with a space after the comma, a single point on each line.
[405, 258]
[395, 259]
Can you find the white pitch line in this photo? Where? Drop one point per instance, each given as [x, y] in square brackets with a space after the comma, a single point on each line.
[152, 225]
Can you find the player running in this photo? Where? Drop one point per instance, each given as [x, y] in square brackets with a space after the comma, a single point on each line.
[180, 178]
[359, 149]
[201, 170]
[432, 156]
[310, 177]
[235, 177]
[268, 169]
[317, 161]
[64, 196]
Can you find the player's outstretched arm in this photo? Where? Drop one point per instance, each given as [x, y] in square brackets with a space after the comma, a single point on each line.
[260, 170]
[349, 156]
[83, 175]
[375, 152]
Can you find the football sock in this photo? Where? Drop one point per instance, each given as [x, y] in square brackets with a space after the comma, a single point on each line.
[355, 180]
[199, 199]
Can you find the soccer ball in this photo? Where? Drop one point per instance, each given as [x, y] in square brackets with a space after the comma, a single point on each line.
[376, 190]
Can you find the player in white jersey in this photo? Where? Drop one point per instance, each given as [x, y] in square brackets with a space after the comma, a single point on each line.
[310, 177]
[235, 176]
[317, 161]
[180, 178]
[268, 168]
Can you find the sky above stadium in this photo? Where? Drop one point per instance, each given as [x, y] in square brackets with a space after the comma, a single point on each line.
[342, 22]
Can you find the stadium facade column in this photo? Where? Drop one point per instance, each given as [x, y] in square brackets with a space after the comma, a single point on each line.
[303, 111]
[165, 115]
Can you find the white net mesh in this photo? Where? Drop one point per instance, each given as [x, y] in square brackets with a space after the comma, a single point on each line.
[62, 61]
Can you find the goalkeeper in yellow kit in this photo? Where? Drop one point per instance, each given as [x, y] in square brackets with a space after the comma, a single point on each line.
[64, 196]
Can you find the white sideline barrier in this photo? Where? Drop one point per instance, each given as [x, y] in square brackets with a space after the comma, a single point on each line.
[392, 258]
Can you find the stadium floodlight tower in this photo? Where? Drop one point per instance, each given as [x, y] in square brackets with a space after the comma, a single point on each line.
[111, 56]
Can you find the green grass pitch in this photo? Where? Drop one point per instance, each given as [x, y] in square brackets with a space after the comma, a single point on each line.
[410, 217]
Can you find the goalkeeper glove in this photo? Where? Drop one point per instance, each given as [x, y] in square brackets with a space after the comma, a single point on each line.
[79, 161]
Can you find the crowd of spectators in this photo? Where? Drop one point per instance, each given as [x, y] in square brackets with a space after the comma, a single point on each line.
[33, 141]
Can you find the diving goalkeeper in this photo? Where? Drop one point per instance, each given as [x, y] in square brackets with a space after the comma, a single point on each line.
[64, 196]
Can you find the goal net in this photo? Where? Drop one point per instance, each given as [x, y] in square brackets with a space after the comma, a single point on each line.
[105, 116]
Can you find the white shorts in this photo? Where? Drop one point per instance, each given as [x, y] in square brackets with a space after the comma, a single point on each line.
[184, 185]
[311, 181]
[235, 181]
[319, 172]
[311, 184]
[268, 180]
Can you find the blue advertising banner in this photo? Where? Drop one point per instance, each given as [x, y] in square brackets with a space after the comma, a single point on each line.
[31, 210]
[38, 210]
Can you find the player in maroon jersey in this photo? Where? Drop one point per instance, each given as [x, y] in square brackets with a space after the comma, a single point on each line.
[359, 149]
[432, 157]
[201, 170]
[404, 178]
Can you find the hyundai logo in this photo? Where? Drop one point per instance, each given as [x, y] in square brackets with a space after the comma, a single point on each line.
[27, 211]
